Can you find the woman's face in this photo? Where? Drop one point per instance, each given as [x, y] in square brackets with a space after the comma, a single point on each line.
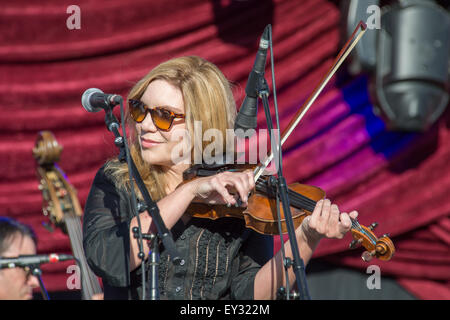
[157, 146]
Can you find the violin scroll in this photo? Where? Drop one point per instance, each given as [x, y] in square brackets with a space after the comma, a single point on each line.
[382, 248]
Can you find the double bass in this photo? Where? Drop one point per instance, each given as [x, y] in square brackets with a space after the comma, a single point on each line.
[61, 205]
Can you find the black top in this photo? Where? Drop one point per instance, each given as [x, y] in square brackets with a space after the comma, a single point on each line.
[220, 257]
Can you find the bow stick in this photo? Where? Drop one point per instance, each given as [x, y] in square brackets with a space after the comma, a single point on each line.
[345, 51]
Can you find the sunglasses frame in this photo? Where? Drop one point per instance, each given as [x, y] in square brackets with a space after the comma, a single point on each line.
[173, 115]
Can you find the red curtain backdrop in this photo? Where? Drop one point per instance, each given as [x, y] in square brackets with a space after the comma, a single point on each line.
[399, 180]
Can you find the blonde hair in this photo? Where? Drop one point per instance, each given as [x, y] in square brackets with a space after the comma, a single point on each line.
[207, 97]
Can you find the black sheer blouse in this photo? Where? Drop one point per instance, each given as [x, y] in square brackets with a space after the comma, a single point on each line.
[220, 257]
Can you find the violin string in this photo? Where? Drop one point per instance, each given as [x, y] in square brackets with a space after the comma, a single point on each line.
[303, 202]
[355, 224]
[310, 204]
[358, 227]
[297, 200]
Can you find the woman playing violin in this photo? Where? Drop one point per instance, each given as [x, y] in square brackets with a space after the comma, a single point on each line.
[222, 258]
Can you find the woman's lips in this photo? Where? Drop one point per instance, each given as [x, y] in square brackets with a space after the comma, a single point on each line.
[147, 143]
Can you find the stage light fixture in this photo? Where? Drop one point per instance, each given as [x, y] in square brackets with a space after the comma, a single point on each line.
[409, 79]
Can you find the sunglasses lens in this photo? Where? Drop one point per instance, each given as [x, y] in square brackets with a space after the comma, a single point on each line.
[161, 118]
[137, 110]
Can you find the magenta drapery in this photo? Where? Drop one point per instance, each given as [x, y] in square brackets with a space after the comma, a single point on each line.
[398, 180]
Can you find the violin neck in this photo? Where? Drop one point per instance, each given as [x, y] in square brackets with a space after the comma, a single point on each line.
[296, 200]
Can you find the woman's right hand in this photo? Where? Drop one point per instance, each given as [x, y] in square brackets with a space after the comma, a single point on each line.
[216, 189]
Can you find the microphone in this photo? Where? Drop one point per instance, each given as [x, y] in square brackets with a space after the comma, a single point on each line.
[246, 118]
[32, 260]
[94, 100]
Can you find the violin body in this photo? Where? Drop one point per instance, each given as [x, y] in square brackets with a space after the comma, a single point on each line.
[261, 212]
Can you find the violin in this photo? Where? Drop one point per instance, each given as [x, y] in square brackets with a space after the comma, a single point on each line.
[261, 213]
[61, 204]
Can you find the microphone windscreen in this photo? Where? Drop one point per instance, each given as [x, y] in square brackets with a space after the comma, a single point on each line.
[85, 100]
[246, 117]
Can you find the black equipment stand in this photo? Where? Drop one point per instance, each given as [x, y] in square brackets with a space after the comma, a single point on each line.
[281, 189]
[36, 271]
[163, 234]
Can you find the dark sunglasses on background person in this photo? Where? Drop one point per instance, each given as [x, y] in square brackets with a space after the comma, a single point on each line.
[162, 118]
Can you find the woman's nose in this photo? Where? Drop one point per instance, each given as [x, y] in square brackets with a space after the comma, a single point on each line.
[147, 124]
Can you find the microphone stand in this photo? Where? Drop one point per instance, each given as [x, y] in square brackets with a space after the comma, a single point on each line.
[281, 189]
[154, 265]
[36, 271]
[163, 234]
[282, 193]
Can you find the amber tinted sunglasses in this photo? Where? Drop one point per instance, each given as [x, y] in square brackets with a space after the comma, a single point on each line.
[162, 118]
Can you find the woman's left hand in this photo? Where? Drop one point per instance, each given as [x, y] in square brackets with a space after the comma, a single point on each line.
[326, 222]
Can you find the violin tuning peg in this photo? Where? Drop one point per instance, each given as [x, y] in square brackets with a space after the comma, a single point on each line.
[367, 256]
[354, 244]
[373, 226]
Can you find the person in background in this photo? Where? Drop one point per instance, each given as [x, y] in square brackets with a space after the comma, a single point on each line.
[16, 239]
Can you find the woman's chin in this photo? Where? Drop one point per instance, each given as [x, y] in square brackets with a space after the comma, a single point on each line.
[157, 159]
[163, 154]
[152, 156]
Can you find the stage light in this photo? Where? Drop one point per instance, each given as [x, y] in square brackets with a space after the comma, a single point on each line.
[409, 78]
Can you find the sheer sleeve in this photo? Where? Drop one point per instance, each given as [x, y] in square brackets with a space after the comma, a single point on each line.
[106, 237]
[255, 252]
